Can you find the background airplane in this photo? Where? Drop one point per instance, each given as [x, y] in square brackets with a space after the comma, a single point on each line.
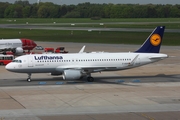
[17, 46]
[76, 66]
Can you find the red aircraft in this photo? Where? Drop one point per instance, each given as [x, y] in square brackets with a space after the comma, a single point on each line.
[17, 46]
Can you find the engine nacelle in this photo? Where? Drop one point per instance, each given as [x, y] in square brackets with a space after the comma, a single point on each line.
[19, 50]
[71, 74]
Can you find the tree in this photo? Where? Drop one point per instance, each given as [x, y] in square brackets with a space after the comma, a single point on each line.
[26, 11]
[3, 6]
[43, 11]
[54, 11]
[22, 8]
[140, 11]
[23, 3]
[63, 10]
[83, 9]
[73, 14]
[96, 10]
[127, 11]
[174, 12]
[18, 11]
[116, 11]
[48, 10]
[34, 9]
[8, 13]
[151, 11]
[107, 10]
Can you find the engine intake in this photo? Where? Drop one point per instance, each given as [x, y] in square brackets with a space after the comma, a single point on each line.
[71, 74]
[18, 51]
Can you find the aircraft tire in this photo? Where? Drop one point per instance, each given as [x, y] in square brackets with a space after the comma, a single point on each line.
[90, 79]
[29, 80]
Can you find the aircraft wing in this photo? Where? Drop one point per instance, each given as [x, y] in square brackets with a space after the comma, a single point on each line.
[86, 69]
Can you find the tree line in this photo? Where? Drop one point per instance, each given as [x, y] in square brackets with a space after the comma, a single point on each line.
[23, 9]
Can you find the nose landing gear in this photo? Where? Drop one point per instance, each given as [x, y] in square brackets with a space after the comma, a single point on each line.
[29, 77]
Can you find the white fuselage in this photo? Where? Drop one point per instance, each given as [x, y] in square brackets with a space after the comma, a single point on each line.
[94, 62]
[10, 43]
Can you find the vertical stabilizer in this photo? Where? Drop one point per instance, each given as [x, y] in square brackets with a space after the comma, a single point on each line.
[153, 42]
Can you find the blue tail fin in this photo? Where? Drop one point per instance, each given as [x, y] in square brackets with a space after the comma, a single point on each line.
[153, 42]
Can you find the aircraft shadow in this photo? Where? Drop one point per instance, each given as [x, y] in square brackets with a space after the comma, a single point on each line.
[153, 78]
[122, 80]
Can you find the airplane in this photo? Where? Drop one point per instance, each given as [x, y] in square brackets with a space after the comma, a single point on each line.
[17, 46]
[74, 66]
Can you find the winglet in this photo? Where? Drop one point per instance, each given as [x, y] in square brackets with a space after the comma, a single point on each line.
[153, 42]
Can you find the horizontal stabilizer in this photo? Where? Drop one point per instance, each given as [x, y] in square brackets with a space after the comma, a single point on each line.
[161, 56]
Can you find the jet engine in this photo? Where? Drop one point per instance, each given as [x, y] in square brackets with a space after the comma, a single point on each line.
[71, 74]
[18, 50]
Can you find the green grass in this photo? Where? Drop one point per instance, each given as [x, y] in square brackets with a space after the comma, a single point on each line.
[116, 25]
[170, 23]
[87, 37]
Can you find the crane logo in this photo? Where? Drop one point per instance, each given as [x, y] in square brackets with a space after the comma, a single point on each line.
[155, 39]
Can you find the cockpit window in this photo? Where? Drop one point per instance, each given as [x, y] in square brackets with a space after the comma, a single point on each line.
[17, 61]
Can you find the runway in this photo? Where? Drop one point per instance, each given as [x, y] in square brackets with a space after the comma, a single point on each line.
[148, 92]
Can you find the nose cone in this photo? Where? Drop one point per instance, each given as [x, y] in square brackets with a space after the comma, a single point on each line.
[34, 44]
[9, 67]
[28, 44]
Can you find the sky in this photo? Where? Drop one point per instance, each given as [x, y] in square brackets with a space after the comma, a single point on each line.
[68, 2]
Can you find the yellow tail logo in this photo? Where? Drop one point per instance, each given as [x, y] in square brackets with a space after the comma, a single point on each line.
[155, 39]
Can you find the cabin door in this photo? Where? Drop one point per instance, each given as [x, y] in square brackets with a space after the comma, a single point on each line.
[30, 61]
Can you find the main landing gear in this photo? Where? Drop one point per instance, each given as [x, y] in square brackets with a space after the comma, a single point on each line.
[90, 79]
[29, 77]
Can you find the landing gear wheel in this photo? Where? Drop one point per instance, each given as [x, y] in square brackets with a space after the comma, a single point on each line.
[90, 79]
[29, 79]
[81, 77]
